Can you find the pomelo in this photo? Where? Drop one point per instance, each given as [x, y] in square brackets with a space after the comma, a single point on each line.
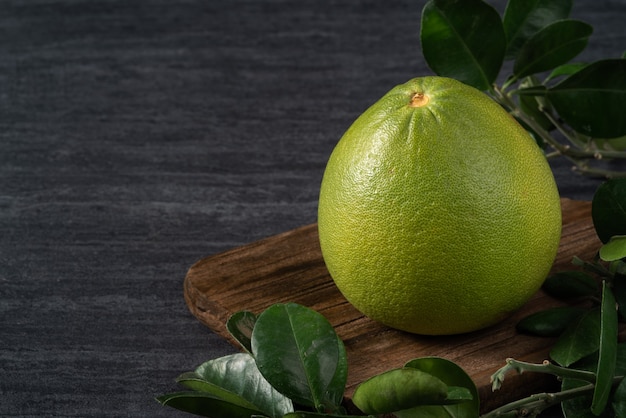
[438, 213]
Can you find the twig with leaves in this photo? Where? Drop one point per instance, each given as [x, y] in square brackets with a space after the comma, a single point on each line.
[573, 109]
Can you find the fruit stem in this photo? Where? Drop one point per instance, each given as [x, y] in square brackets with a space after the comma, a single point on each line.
[419, 99]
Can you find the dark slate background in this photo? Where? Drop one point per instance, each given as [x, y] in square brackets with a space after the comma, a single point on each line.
[137, 137]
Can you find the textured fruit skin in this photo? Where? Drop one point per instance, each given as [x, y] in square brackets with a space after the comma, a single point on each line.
[440, 219]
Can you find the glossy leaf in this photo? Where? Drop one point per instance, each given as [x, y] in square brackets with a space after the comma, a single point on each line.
[579, 340]
[523, 18]
[570, 284]
[463, 39]
[236, 379]
[197, 383]
[205, 405]
[552, 46]
[399, 389]
[454, 376]
[607, 356]
[608, 209]
[592, 100]
[337, 385]
[615, 249]
[550, 322]
[240, 326]
[296, 350]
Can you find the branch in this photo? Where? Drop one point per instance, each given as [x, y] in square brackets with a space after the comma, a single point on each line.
[533, 405]
[546, 367]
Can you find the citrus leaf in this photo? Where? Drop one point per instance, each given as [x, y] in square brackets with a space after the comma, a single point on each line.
[615, 249]
[592, 100]
[579, 340]
[570, 284]
[610, 144]
[195, 382]
[205, 405]
[619, 291]
[455, 377]
[565, 70]
[456, 396]
[399, 389]
[608, 209]
[463, 39]
[580, 407]
[236, 379]
[607, 355]
[552, 46]
[305, 414]
[619, 399]
[296, 350]
[240, 326]
[551, 322]
[337, 385]
[532, 105]
[523, 18]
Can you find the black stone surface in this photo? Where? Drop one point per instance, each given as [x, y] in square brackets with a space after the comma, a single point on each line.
[138, 136]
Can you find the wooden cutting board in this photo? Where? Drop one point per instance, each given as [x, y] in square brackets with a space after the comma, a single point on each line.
[289, 268]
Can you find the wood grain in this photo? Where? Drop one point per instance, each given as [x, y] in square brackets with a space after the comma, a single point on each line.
[289, 267]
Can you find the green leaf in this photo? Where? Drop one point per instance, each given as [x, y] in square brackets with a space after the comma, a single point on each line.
[610, 144]
[615, 249]
[565, 70]
[532, 105]
[523, 18]
[571, 284]
[619, 400]
[579, 340]
[205, 405]
[305, 414]
[456, 396]
[550, 322]
[607, 355]
[592, 100]
[463, 39]
[399, 389]
[619, 290]
[552, 46]
[459, 394]
[296, 350]
[195, 382]
[337, 385]
[236, 379]
[580, 407]
[608, 209]
[454, 376]
[240, 326]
